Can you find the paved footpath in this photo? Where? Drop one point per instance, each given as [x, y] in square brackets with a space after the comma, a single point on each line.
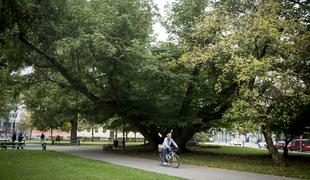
[184, 171]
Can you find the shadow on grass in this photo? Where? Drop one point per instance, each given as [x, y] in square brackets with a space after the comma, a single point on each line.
[233, 158]
[250, 155]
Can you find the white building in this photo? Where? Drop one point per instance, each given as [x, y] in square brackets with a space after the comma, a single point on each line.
[10, 124]
[103, 133]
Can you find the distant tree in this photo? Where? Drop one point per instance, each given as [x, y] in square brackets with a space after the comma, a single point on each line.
[290, 117]
[25, 122]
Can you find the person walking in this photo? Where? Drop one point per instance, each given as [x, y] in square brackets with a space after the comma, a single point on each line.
[14, 136]
[42, 138]
[20, 139]
[13, 139]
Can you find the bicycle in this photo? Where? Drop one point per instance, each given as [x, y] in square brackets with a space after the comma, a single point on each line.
[172, 158]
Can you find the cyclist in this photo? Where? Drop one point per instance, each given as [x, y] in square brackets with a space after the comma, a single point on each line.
[167, 146]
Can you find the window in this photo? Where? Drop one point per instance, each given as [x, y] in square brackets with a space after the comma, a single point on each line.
[111, 134]
[13, 115]
[88, 130]
[96, 130]
[6, 125]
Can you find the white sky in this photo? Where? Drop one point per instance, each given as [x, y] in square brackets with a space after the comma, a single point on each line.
[159, 30]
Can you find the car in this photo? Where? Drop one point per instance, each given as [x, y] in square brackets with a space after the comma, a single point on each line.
[299, 145]
[262, 144]
[306, 145]
[235, 142]
[280, 144]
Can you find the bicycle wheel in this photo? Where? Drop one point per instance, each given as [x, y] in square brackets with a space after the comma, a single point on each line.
[175, 161]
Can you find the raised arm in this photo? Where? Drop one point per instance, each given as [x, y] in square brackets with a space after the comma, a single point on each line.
[174, 144]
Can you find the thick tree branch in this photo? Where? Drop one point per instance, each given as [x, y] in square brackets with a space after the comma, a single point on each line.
[215, 111]
[77, 84]
[190, 92]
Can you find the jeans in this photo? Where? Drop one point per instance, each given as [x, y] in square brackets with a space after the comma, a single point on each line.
[163, 155]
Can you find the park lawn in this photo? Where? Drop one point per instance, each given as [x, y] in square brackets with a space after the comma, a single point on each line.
[248, 159]
[27, 164]
[241, 159]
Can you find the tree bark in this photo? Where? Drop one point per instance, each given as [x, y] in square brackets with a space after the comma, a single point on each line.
[74, 126]
[92, 133]
[187, 100]
[285, 150]
[30, 134]
[272, 149]
[51, 134]
[183, 135]
[150, 132]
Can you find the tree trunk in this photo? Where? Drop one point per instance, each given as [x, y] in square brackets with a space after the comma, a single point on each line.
[51, 134]
[92, 133]
[180, 139]
[150, 133]
[285, 150]
[30, 134]
[182, 136]
[74, 126]
[124, 138]
[272, 149]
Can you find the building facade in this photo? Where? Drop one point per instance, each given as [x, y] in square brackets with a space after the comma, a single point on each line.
[99, 133]
[10, 124]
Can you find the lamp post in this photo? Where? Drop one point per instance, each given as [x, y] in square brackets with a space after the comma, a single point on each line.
[14, 125]
[14, 118]
[124, 129]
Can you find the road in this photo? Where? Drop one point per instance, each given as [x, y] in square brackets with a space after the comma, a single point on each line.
[184, 171]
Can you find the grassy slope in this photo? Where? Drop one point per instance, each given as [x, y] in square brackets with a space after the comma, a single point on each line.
[26, 164]
[242, 159]
[248, 159]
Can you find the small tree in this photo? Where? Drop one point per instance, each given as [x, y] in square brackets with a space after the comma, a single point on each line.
[26, 123]
[290, 118]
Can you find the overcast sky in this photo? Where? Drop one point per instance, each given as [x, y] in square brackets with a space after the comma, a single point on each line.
[159, 30]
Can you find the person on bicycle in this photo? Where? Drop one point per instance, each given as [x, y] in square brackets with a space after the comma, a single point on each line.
[168, 141]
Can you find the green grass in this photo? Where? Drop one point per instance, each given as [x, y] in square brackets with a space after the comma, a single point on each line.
[26, 164]
[241, 159]
[248, 159]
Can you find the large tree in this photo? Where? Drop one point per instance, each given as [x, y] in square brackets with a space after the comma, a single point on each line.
[101, 49]
[260, 39]
[97, 46]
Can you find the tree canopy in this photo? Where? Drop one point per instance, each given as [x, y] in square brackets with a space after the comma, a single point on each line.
[245, 59]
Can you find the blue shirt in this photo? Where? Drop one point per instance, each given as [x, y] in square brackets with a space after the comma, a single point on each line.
[167, 143]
